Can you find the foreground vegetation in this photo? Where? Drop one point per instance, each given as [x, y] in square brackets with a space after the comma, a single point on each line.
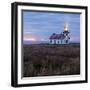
[44, 60]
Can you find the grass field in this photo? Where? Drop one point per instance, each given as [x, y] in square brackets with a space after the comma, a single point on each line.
[48, 60]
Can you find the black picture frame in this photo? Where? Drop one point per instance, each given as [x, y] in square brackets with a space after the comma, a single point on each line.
[14, 43]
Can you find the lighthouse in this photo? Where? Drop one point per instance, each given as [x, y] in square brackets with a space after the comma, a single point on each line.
[61, 38]
[66, 33]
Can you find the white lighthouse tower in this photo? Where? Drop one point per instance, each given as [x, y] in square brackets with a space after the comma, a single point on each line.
[66, 33]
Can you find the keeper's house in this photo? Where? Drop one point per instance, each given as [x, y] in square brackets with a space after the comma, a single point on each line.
[62, 38]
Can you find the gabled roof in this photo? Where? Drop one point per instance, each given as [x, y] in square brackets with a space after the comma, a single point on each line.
[57, 36]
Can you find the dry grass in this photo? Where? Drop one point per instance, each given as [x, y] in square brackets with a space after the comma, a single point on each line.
[48, 60]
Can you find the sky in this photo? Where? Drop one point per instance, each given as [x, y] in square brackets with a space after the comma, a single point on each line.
[39, 26]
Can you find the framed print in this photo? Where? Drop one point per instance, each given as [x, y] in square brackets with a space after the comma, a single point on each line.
[49, 44]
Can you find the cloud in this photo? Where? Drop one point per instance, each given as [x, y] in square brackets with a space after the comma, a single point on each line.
[41, 25]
